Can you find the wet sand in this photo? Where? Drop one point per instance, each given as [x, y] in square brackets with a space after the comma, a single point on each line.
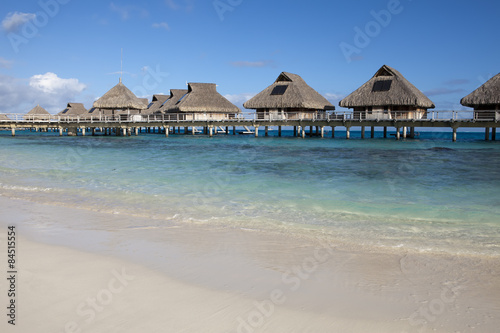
[185, 278]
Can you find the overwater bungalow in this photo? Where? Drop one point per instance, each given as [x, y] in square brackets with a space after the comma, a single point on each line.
[74, 110]
[172, 99]
[118, 101]
[156, 103]
[289, 97]
[485, 100]
[388, 95]
[37, 113]
[201, 102]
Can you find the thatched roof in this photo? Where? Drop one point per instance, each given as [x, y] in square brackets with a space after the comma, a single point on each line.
[175, 96]
[73, 109]
[387, 88]
[289, 91]
[156, 103]
[487, 94]
[37, 113]
[4, 117]
[203, 97]
[120, 97]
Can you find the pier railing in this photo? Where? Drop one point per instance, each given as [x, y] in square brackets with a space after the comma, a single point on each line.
[438, 115]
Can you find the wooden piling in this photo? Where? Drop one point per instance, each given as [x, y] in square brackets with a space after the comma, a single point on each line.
[362, 132]
[372, 132]
[487, 134]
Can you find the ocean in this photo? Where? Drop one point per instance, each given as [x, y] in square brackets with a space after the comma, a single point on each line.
[426, 194]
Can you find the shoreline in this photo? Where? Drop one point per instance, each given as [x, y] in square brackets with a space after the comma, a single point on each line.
[239, 280]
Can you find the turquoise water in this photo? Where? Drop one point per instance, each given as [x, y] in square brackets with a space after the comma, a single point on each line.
[427, 194]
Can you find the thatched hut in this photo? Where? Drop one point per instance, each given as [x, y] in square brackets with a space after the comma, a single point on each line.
[289, 97]
[4, 117]
[119, 100]
[175, 96]
[388, 95]
[156, 103]
[74, 110]
[485, 100]
[202, 102]
[37, 113]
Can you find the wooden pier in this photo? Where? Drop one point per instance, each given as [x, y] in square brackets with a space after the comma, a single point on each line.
[125, 125]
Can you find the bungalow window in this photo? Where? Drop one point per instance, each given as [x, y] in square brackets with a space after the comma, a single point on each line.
[383, 85]
[279, 90]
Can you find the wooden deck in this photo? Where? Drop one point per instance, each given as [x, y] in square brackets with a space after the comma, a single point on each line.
[191, 123]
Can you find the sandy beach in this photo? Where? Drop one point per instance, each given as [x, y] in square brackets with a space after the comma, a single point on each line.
[201, 279]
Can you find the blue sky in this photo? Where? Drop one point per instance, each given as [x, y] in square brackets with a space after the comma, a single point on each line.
[58, 51]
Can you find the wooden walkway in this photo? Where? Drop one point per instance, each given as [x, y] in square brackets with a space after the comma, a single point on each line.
[191, 123]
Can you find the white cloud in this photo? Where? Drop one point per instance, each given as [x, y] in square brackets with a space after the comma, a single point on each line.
[14, 21]
[188, 5]
[239, 99]
[50, 83]
[442, 91]
[4, 63]
[263, 63]
[172, 4]
[333, 97]
[457, 82]
[48, 90]
[163, 25]
[126, 12]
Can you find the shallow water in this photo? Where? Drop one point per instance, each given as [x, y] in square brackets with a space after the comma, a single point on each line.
[427, 194]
